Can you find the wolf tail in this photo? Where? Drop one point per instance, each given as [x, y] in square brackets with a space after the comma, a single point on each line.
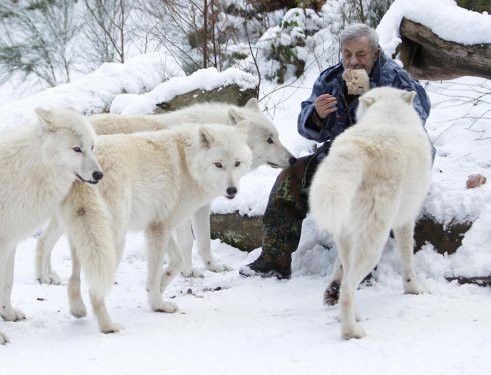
[88, 226]
[333, 188]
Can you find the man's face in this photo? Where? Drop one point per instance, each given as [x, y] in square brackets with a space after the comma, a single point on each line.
[357, 54]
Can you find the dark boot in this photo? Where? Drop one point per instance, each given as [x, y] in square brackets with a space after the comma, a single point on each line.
[265, 266]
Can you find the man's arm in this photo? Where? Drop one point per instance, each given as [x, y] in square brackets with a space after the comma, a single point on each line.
[315, 124]
[421, 102]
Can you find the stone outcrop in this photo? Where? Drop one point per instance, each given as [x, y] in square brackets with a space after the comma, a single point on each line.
[245, 233]
[231, 94]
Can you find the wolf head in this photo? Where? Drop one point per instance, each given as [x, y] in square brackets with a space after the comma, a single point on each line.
[262, 136]
[68, 144]
[221, 159]
[388, 98]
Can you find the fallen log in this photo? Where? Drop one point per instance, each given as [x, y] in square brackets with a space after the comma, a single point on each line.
[481, 281]
[427, 56]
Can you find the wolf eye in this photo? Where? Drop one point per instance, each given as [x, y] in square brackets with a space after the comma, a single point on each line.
[237, 163]
[218, 165]
[269, 140]
[77, 149]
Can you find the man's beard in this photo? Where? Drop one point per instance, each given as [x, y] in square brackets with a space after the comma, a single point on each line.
[368, 69]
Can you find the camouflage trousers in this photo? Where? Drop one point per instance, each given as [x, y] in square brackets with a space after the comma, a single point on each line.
[288, 205]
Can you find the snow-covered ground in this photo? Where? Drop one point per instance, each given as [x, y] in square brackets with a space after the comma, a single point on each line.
[230, 324]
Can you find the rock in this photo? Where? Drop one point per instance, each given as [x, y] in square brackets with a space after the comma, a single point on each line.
[246, 234]
[444, 238]
[242, 232]
[272, 5]
[475, 180]
[231, 94]
[475, 5]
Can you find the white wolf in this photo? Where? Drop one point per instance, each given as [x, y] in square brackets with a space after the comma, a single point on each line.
[262, 138]
[153, 182]
[39, 164]
[375, 178]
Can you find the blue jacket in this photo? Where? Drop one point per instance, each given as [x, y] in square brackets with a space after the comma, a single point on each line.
[386, 72]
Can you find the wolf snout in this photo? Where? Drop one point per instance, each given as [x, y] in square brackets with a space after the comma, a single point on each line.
[292, 160]
[231, 191]
[97, 175]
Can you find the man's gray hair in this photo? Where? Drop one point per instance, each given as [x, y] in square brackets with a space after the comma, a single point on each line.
[359, 30]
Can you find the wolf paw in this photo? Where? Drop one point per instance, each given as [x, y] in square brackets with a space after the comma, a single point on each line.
[50, 279]
[3, 339]
[193, 272]
[354, 332]
[214, 267]
[166, 307]
[78, 310]
[111, 328]
[331, 294]
[412, 288]
[12, 315]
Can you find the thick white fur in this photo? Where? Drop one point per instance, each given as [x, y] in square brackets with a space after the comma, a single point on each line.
[262, 138]
[375, 178]
[38, 167]
[153, 182]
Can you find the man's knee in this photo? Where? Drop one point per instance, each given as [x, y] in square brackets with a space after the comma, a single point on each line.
[294, 173]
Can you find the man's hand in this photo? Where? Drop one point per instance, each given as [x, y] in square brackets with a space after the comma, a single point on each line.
[324, 105]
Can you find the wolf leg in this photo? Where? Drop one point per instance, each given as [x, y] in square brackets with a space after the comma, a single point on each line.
[7, 312]
[405, 242]
[157, 238]
[3, 339]
[184, 237]
[44, 247]
[357, 262]
[175, 264]
[106, 325]
[331, 294]
[77, 306]
[201, 226]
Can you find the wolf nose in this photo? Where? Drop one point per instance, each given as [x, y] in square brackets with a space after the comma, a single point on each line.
[292, 160]
[97, 175]
[232, 190]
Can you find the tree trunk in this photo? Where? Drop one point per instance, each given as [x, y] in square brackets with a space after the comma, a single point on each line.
[427, 56]
[205, 34]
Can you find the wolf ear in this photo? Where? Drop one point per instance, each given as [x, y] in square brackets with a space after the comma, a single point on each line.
[366, 100]
[205, 137]
[408, 97]
[45, 119]
[253, 104]
[234, 116]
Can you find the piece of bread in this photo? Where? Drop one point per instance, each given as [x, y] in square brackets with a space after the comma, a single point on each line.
[357, 81]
